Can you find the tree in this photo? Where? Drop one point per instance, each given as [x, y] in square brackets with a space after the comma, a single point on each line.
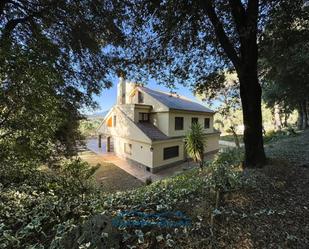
[191, 42]
[229, 103]
[194, 144]
[285, 59]
[52, 60]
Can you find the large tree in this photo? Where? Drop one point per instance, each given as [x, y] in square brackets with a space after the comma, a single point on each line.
[53, 58]
[285, 58]
[188, 41]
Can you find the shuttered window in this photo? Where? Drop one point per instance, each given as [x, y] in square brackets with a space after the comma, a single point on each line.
[206, 123]
[178, 123]
[170, 152]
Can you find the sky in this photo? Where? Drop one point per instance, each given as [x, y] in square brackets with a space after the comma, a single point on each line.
[108, 96]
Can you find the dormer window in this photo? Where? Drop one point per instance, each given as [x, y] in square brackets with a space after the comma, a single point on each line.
[143, 117]
[140, 97]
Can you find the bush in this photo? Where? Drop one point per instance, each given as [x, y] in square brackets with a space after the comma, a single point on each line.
[224, 170]
[35, 205]
[229, 156]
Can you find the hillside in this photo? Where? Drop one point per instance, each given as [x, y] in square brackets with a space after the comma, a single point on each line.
[260, 208]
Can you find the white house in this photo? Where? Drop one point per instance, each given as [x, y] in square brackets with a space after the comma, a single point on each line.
[148, 127]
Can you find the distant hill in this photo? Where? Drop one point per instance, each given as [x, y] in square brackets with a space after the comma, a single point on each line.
[98, 115]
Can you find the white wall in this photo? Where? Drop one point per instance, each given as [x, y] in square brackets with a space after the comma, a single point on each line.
[140, 151]
[158, 149]
[187, 122]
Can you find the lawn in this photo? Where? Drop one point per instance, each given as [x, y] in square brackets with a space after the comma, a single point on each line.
[270, 137]
[110, 177]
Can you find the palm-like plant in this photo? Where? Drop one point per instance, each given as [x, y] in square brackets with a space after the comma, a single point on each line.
[194, 143]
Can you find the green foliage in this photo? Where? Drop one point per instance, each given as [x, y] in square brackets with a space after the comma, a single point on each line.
[229, 156]
[88, 126]
[225, 174]
[43, 208]
[52, 60]
[284, 56]
[34, 204]
[78, 174]
[272, 136]
[194, 143]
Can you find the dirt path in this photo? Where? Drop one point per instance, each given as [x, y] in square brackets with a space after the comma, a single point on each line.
[110, 177]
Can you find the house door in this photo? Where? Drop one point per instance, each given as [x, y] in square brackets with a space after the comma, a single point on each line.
[110, 144]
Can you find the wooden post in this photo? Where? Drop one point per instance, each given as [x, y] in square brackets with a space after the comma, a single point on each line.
[100, 141]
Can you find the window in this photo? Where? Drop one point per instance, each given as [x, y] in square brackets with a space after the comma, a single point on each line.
[140, 97]
[114, 121]
[206, 123]
[178, 123]
[128, 148]
[110, 122]
[170, 152]
[143, 117]
[194, 120]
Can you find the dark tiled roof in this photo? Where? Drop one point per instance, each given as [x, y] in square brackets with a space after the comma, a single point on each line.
[152, 131]
[176, 102]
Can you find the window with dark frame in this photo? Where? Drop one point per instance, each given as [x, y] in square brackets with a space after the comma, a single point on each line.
[140, 97]
[178, 123]
[143, 117]
[128, 148]
[206, 123]
[194, 121]
[170, 152]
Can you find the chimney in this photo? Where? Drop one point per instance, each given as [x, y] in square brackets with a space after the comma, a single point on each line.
[121, 89]
[130, 86]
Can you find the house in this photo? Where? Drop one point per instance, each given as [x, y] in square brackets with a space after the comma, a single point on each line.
[148, 127]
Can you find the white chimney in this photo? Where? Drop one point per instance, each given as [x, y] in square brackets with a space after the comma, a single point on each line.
[121, 91]
[129, 88]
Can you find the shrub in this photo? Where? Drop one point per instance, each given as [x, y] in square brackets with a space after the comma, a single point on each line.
[194, 143]
[35, 204]
[229, 156]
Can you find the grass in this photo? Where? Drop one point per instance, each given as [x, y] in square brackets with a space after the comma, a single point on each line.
[110, 177]
[230, 138]
[270, 137]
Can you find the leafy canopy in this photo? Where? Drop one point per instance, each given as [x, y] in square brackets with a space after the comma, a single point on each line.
[53, 58]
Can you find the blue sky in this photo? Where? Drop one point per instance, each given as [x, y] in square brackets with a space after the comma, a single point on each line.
[108, 96]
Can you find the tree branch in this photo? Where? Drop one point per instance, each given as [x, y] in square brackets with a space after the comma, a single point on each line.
[239, 16]
[225, 42]
[11, 25]
[2, 6]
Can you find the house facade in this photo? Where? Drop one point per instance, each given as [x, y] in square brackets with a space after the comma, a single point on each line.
[147, 127]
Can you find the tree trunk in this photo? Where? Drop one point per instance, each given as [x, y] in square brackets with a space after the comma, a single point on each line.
[277, 118]
[286, 117]
[250, 93]
[300, 117]
[305, 115]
